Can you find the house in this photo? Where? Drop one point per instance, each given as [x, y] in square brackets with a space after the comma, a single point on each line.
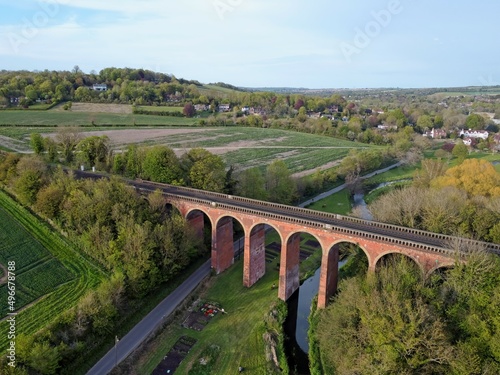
[469, 141]
[436, 134]
[314, 114]
[388, 127]
[483, 134]
[201, 107]
[224, 107]
[259, 111]
[99, 87]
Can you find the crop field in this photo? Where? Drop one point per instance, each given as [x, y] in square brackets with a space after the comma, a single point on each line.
[246, 147]
[50, 275]
[238, 146]
[68, 118]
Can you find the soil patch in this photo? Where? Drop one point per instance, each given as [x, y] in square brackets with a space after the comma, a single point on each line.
[199, 318]
[95, 107]
[321, 168]
[126, 136]
[175, 356]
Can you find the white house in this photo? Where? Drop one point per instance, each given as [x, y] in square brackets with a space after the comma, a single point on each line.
[224, 107]
[99, 87]
[483, 134]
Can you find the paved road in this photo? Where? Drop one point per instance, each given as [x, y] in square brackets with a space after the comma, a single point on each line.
[152, 321]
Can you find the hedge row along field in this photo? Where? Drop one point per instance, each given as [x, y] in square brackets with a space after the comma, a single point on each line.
[50, 274]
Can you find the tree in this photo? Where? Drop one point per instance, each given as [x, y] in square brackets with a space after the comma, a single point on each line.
[94, 149]
[44, 358]
[162, 165]
[475, 121]
[381, 324]
[279, 183]
[37, 143]
[431, 169]
[67, 139]
[189, 110]
[475, 176]
[460, 151]
[424, 122]
[31, 177]
[207, 171]
[251, 184]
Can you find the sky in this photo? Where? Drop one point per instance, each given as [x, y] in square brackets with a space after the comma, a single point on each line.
[262, 43]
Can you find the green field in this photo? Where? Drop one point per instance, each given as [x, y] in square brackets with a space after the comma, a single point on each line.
[338, 203]
[55, 118]
[37, 271]
[159, 108]
[49, 271]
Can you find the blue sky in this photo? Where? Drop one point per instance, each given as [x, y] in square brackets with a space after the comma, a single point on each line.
[255, 43]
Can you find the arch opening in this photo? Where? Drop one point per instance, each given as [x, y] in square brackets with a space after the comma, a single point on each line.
[395, 260]
[296, 263]
[262, 250]
[201, 227]
[348, 255]
[438, 276]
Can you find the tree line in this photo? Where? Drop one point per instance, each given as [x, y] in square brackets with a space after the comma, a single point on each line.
[463, 200]
[394, 321]
[135, 239]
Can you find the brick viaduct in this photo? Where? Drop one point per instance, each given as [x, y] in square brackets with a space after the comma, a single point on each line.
[428, 250]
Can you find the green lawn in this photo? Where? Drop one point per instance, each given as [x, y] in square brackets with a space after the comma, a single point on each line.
[338, 203]
[238, 333]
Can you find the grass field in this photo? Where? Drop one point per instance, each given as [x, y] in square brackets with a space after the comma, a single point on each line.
[238, 333]
[55, 118]
[338, 203]
[159, 108]
[48, 270]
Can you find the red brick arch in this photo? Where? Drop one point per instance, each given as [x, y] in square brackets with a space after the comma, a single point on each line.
[373, 245]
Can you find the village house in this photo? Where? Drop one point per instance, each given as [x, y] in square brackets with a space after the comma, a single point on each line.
[99, 87]
[258, 111]
[483, 134]
[201, 107]
[224, 107]
[387, 127]
[469, 142]
[436, 133]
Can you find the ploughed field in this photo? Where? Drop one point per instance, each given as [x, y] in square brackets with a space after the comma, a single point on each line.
[238, 146]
